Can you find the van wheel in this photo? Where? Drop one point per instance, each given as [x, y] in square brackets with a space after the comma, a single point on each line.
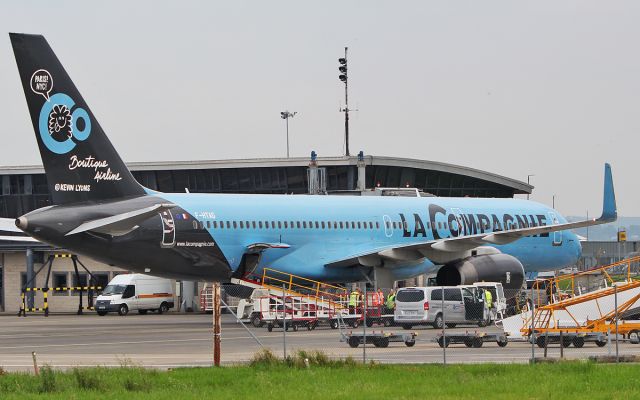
[355, 323]
[354, 341]
[387, 322]
[369, 323]
[333, 324]
[164, 307]
[123, 309]
[438, 323]
[142, 312]
[102, 313]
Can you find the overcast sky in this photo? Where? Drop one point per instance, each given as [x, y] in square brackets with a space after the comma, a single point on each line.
[549, 88]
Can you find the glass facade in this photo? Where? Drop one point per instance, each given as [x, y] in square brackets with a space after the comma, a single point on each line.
[23, 193]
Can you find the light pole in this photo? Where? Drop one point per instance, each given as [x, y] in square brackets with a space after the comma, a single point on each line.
[286, 115]
[528, 183]
[345, 79]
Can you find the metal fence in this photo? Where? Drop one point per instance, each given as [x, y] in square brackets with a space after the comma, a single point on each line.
[434, 324]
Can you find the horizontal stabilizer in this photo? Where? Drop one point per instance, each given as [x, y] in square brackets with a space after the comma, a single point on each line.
[8, 225]
[121, 224]
[23, 239]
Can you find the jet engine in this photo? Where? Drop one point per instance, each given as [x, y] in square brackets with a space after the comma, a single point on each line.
[488, 268]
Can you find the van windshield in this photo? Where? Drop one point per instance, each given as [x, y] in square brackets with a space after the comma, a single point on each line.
[113, 289]
[410, 295]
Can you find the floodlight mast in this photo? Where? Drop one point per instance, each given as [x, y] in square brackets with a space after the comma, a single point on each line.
[286, 115]
[345, 78]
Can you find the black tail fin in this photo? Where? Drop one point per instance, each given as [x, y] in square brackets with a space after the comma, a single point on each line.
[79, 161]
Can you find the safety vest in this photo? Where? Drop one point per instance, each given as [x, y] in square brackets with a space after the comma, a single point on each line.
[391, 301]
[353, 299]
[488, 298]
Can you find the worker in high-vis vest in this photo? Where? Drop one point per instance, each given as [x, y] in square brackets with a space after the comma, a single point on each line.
[391, 301]
[488, 303]
[353, 301]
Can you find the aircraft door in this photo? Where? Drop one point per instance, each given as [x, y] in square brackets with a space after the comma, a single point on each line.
[168, 229]
[557, 236]
[388, 229]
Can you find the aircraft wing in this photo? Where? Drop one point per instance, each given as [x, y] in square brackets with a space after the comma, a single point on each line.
[121, 224]
[444, 250]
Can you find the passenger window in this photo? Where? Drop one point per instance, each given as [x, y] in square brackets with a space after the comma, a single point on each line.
[215, 224]
[335, 225]
[341, 226]
[221, 224]
[359, 226]
[298, 224]
[208, 224]
[286, 224]
[253, 224]
[304, 224]
[235, 225]
[273, 224]
[436, 294]
[241, 225]
[317, 225]
[129, 292]
[201, 224]
[452, 295]
[279, 225]
[228, 225]
[377, 225]
[260, 224]
[322, 223]
[370, 225]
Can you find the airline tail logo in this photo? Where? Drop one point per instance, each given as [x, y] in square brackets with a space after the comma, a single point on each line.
[61, 124]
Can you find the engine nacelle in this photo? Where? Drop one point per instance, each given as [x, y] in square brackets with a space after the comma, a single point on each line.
[488, 268]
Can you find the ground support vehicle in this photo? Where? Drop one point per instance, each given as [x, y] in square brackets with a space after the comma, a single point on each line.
[129, 292]
[473, 339]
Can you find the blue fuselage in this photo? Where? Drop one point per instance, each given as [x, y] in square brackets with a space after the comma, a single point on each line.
[320, 230]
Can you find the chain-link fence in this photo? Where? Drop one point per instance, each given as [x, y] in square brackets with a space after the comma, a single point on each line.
[474, 323]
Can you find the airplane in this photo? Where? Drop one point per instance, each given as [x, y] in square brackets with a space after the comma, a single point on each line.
[99, 210]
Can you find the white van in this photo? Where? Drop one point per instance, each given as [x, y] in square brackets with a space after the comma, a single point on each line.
[423, 306]
[128, 292]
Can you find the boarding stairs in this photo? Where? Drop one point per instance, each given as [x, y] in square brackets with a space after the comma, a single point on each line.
[302, 293]
[575, 309]
[302, 296]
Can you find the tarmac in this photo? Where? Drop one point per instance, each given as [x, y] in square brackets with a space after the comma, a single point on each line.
[178, 340]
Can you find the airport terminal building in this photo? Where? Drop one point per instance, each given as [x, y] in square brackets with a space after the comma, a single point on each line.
[24, 188]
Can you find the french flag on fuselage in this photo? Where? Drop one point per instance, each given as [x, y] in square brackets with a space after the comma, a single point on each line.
[182, 216]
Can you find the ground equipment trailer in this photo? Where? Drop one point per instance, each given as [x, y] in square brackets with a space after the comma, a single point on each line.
[378, 339]
[471, 339]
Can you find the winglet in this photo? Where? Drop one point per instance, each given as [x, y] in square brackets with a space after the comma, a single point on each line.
[609, 211]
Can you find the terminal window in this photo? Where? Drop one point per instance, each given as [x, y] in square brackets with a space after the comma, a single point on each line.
[59, 281]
